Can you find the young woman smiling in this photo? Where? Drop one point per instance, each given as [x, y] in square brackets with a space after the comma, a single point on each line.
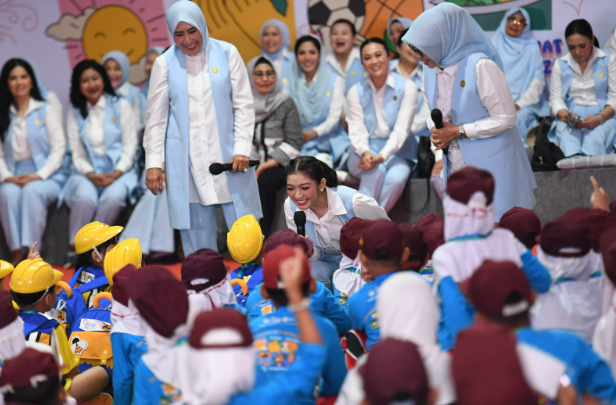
[275, 43]
[381, 109]
[278, 134]
[117, 66]
[33, 146]
[345, 60]
[312, 187]
[318, 94]
[524, 68]
[583, 85]
[102, 135]
[395, 29]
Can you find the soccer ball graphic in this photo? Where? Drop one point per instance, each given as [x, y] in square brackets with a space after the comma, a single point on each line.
[323, 13]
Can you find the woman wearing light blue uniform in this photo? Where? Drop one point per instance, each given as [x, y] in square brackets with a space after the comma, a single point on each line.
[524, 69]
[380, 113]
[102, 135]
[117, 65]
[150, 57]
[318, 95]
[395, 29]
[463, 78]
[583, 88]
[200, 111]
[275, 44]
[345, 59]
[33, 146]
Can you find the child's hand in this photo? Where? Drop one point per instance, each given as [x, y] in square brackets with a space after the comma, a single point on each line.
[291, 274]
[32, 254]
[599, 199]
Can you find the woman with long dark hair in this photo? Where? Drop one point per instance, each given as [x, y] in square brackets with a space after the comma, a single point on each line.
[583, 95]
[33, 146]
[102, 135]
[312, 187]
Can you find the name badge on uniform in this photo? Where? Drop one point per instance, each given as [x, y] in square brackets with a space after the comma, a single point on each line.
[601, 75]
[113, 119]
[215, 69]
[462, 83]
[37, 121]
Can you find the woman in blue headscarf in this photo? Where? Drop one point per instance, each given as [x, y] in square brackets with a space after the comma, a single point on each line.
[524, 68]
[464, 79]
[117, 66]
[200, 111]
[275, 44]
[318, 94]
[150, 56]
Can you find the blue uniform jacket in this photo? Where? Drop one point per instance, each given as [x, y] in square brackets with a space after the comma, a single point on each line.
[363, 311]
[276, 338]
[127, 351]
[588, 373]
[252, 274]
[150, 390]
[322, 303]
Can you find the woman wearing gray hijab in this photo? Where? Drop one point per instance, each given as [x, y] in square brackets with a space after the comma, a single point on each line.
[278, 133]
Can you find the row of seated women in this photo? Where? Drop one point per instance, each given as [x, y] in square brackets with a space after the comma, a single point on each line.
[355, 109]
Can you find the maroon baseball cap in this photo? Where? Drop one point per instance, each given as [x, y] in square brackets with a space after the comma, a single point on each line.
[613, 208]
[120, 284]
[287, 237]
[160, 299]
[203, 269]
[608, 251]
[8, 314]
[394, 373]
[220, 319]
[17, 373]
[271, 266]
[491, 285]
[382, 240]
[465, 182]
[522, 222]
[431, 226]
[597, 222]
[565, 238]
[350, 234]
[486, 369]
[413, 239]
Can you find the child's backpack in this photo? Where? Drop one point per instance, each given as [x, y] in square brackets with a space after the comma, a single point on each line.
[89, 338]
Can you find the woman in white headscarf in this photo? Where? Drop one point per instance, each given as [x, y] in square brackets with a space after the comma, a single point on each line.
[464, 79]
[278, 134]
[524, 68]
[408, 311]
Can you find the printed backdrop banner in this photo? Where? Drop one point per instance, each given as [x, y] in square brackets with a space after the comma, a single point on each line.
[56, 34]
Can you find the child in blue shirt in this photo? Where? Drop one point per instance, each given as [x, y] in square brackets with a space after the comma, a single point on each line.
[381, 252]
[276, 334]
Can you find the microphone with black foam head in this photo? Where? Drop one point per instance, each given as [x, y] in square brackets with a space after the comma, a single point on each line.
[437, 118]
[217, 168]
[300, 221]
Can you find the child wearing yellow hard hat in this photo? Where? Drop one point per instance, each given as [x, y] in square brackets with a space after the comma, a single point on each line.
[245, 242]
[33, 287]
[6, 268]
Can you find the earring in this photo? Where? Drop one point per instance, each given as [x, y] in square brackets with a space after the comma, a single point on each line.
[322, 189]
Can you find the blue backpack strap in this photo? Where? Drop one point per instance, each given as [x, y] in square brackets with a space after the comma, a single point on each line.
[96, 283]
[76, 275]
[38, 322]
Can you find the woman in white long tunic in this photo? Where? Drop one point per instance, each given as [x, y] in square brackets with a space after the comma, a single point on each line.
[200, 111]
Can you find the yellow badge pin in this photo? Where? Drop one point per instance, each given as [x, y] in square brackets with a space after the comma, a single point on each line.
[37, 121]
[601, 75]
[462, 83]
[215, 69]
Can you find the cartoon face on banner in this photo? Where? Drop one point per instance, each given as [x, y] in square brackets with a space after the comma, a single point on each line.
[114, 25]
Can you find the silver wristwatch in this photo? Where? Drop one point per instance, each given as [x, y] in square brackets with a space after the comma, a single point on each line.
[461, 134]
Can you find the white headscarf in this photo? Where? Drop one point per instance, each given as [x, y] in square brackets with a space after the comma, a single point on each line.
[221, 294]
[12, 341]
[125, 320]
[408, 311]
[604, 339]
[470, 220]
[573, 302]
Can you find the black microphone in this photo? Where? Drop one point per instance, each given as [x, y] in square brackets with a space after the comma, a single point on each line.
[300, 221]
[437, 118]
[217, 168]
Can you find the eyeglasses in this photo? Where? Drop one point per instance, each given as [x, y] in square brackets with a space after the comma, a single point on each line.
[268, 75]
[417, 51]
[514, 20]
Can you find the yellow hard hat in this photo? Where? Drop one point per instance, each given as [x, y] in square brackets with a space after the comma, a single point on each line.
[32, 276]
[245, 239]
[125, 252]
[6, 268]
[94, 234]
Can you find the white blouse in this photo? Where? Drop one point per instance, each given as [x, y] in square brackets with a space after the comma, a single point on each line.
[123, 91]
[582, 87]
[327, 228]
[205, 149]
[21, 144]
[331, 59]
[95, 132]
[494, 95]
[419, 122]
[358, 133]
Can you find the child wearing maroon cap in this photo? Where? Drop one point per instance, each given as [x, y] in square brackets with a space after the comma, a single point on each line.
[431, 227]
[381, 250]
[418, 249]
[276, 335]
[502, 294]
[524, 224]
[604, 339]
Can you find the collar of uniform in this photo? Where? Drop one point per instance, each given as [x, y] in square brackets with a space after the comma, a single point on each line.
[200, 58]
[32, 105]
[597, 53]
[449, 71]
[390, 81]
[123, 89]
[101, 104]
[394, 66]
[286, 54]
[334, 207]
[331, 59]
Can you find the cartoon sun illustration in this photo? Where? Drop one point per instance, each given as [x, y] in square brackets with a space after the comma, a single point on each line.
[93, 28]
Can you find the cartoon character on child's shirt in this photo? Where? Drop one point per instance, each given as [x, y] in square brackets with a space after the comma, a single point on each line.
[276, 352]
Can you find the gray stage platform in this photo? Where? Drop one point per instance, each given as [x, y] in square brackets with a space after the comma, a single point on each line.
[556, 193]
